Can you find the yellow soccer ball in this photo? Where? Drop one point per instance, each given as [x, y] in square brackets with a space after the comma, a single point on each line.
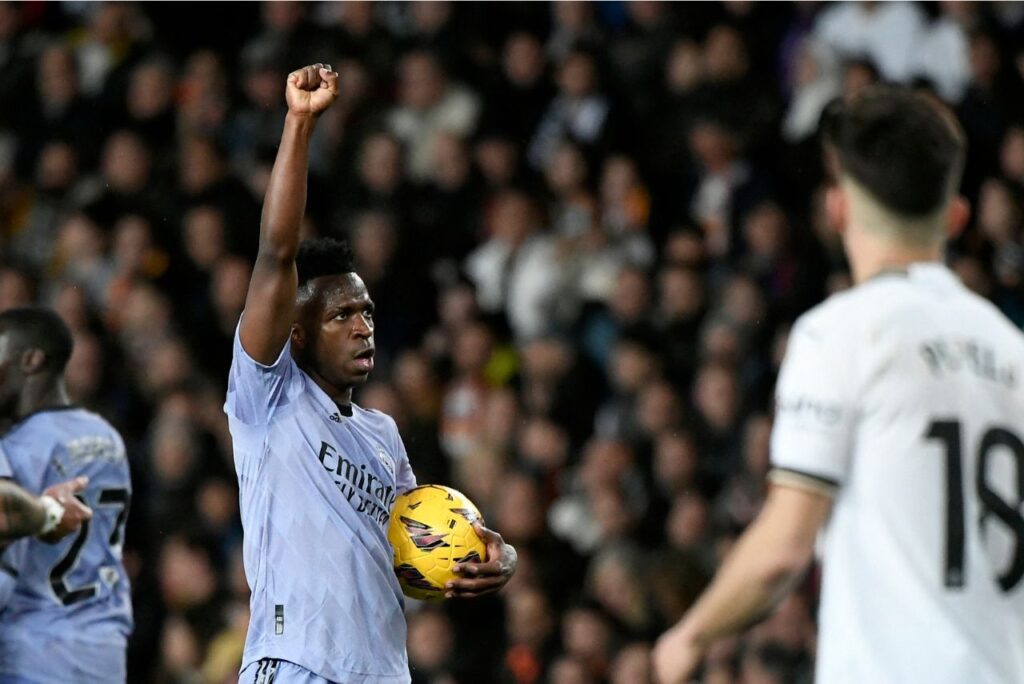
[431, 530]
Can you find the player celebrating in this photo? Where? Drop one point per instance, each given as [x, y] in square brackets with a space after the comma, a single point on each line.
[317, 474]
[67, 611]
[899, 411]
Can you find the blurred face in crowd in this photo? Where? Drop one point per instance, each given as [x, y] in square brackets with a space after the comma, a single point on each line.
[230, 286]
[512, 218]
[681, 293]
[497, 158]
[431, 639]
[543, 444]
[687, 524]
[133, 242]
[380, 163]
[675, 461]
[577, 76]
[658, 409]
[528, 618]
[430, 17]
[57, 77]
[685, 67]
[567, 171]
[998, 213]
[150, 90]
[457, 305]
[201, 165]
[282, 16]
[1011, 155]
[605, 463]
[725, 55]
[373, 243]
[84, 372]
[204, 236]
[713, 146]
[57, 168]
[631, 296]
[717, 396]
[126, 162]
[523, 59]
[451, 161]
[472, 349]
[765, 230]
[573, 16]
[632, 366]
[756, 443]
[519, 511]
[632, 665]
[586, 634]
[15, 289]
[421, 81]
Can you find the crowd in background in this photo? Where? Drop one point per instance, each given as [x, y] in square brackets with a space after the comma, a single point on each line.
[587, 229]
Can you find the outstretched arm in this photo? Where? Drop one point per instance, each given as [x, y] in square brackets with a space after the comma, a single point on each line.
[768, 560]
[270, 303]
[55, 515]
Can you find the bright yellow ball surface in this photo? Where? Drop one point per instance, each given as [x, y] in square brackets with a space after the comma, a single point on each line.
[431, 530]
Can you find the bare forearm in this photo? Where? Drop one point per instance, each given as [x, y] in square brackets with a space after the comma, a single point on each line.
[21, 514]
[285, 201]
[755, 577]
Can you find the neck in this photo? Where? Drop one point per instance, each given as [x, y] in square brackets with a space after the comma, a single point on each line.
[33, 400]
[342, 396]
[870, 260]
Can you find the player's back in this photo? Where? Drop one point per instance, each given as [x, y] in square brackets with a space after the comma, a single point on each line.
[69, 614]
[924, 554]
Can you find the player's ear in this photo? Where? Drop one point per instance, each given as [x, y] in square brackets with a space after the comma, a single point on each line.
[836, 208]
[32, 361]
[956, 216]
[298, 336]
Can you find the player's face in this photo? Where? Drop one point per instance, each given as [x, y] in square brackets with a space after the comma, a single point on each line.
[339, 328]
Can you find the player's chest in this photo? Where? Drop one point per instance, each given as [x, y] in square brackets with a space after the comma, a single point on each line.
[352, 468]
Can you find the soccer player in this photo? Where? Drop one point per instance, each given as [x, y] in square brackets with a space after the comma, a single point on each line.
[52, 516]
[67, 611]
[317, 474]
[898, 431]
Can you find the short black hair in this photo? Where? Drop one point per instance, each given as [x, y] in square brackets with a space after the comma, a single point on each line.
[904, 148]
[323, 256]
[35, 327]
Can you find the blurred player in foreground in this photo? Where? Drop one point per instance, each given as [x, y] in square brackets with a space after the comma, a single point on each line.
[65, 608]
[898, 412]
[317, 474]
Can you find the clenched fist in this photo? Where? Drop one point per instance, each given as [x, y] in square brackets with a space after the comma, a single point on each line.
[311, 89]
[75, 510]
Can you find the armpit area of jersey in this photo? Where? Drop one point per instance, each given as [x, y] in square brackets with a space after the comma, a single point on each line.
[799, 479]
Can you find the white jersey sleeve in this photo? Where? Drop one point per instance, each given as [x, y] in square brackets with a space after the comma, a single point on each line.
[815, 405]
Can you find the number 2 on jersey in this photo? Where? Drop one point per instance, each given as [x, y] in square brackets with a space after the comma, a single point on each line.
[108, 498]
[992, 505]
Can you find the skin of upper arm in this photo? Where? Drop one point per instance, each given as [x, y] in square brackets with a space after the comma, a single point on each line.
[792, 518]
[269, 309]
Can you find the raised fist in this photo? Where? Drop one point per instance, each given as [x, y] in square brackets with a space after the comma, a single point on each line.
[311, 89]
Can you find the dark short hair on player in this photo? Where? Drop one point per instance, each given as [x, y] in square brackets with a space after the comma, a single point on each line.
[904, 148]
[34, 327]
[323, 256]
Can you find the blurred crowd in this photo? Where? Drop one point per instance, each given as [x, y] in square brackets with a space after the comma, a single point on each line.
[587, 229]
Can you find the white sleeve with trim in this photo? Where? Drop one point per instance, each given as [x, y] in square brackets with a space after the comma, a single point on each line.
[815, 408]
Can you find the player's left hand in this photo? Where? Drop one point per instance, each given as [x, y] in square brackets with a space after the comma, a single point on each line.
[479, 579]
[676, 657]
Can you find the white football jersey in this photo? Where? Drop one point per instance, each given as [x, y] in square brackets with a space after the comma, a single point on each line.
[905, 398]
